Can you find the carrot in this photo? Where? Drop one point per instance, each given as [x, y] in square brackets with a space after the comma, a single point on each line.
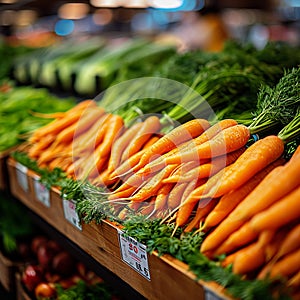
[120, 145]
[175, 195]
[229, 201]
[58, 125]
[162, 197]
[52, 152]
[273, 247]
[55, 163]
[126, 193]
[189, 146]
[92, 137]
[283, 211]
[185, 208]
[226, 141]
[152, 186]
[36, 149]
[244, 235]
[287, 266]
[253, 256]
[132, 161]
[290, 243]
[279, 182]
[150, 126]
[205, 207]
[173, 139]
[207, 169]
[254, 159]
[294, 281]
[88, 118]
[54, 115]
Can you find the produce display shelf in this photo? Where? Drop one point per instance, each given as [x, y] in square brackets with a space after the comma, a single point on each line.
[8, 269]
[169, 278]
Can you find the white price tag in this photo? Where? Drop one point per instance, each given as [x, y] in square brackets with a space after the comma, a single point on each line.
[21, 172]
[210, 295]
[71, 214]
[42, 194]
[134, 254]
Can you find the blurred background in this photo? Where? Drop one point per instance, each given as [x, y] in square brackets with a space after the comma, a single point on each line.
[190, 24]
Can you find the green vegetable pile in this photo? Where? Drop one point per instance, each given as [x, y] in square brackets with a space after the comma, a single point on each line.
[83, 291]
[17, 107]
[223, 84]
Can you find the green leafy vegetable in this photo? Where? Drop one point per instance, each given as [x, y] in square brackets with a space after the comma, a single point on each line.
[84, 291]
[14, 223]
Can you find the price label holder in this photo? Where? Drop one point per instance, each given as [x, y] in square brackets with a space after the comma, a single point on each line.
[71, 214]
[134, 254]
[210, 295]
[21, 172]
[42, 194]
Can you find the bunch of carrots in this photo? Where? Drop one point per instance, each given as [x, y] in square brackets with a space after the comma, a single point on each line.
[88, 143]
[257, 225]
[171, 176]
[200, 176]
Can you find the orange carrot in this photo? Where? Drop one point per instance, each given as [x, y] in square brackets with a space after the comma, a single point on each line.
[244, 235]
[290, 243]
[92, 137]
[254, 159]
[150, 126]
[173, 139]
[283, 211]
[152, 186]
[294, 281]
[88, 118]
[206, 169]
[120, 145]
[226, 141]
[128, 164]
[273, 187]
[36, 149]
[190, 145]
[287, 266]
[162, 197]
[58, 125]
[126, 193]
[112, 132]
[252, 257]
[175, 195]
[54, 115]
[204, 208]
[185, 208]
[229, 201]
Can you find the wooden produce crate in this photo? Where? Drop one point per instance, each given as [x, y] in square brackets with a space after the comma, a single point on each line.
[8, 269]
[169, 278]
[21, 293]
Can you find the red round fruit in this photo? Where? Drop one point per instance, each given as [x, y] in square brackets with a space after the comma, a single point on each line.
[32, 276]
[45, 256]
[63, 263]
[37, 242]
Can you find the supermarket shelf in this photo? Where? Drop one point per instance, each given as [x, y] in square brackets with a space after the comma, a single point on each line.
[99, 245]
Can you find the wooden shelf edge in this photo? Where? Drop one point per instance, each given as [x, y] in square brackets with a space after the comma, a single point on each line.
[170, 278]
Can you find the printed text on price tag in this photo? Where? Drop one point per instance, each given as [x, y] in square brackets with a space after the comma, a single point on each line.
[71, 214]
[21, 172]
[134, 254]
[42, 194]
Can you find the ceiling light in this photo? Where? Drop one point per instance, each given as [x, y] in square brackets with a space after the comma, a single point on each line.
[73, 11]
